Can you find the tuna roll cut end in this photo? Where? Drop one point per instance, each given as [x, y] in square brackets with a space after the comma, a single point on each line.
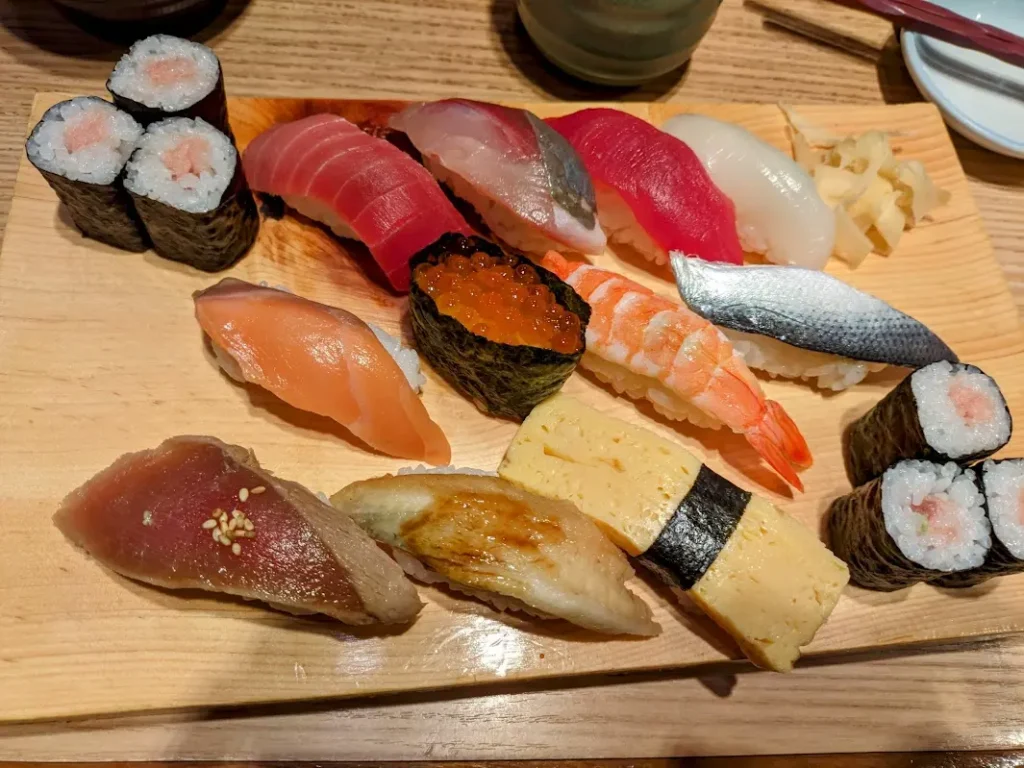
[190, 191]
[81, 146]
[917, 522]
[164, 76]
[942, 412]
[196, 513]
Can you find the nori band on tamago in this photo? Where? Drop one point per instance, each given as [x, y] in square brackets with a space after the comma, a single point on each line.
[698, 529]
[501, 379]
[213, 107]
[212, 240]
[103, 212]
[892, 431]
[857, 535]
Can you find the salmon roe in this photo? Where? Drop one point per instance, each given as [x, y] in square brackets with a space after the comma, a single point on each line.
[500, 299]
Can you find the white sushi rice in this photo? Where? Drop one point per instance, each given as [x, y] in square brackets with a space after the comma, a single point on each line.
[406, 357]
[97, 163]
[620, 224]
[944, 428]
[778, 358]
[957, 542]
[129, 77]
[420, 572]
[1004, 491]
[148, 175]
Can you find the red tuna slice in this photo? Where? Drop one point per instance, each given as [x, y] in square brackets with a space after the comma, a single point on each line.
[361, 186]
[653, 192]
[147, 516]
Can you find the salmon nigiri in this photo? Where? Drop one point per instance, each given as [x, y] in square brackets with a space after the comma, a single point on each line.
[196, 513]
[361, 186]
[653, 193]
[324, 360]
[650, 347]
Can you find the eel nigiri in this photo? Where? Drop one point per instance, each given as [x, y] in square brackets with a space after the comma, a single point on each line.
[324, 360]
[526, 182]
[801, 323]
[652, 191]
[486, 537]
[647, 346]
[196, 513]
[779, 212]
[361, 186]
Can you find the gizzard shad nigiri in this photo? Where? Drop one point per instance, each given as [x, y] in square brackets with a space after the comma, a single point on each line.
[526, 182]
[647, 346]
[652, 191]
[511, 548]
[324, 360]
[196, 513]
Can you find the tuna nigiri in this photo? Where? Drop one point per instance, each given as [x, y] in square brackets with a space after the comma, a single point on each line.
[650, 347]
[514, 549]
[361, 186]
[196, 513]
[524, 180]
[324, 360]
[778, 209]
[652, 191]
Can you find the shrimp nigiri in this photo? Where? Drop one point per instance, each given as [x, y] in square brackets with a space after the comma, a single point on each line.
[647, 346]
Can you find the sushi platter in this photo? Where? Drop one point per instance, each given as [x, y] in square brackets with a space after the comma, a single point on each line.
[101, 355]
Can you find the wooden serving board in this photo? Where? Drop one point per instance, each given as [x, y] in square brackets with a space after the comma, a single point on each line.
[99, 355]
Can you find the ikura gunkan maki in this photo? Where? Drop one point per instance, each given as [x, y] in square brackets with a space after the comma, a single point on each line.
[1002, 483]
[163, 76]
[941, 412]
[81, 146]
[501, 330]
[190, 191]
[918, 522]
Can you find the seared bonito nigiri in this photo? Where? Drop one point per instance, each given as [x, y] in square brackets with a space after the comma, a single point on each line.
[525, 180]
[324, 360]
[484, 536]
[197, 513]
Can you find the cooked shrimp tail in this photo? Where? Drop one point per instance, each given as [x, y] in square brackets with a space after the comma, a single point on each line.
[777, 438]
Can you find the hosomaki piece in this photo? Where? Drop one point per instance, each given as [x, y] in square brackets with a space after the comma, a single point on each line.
[758, 573]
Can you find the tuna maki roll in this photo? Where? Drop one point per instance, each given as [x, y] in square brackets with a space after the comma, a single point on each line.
[918, 522]
[164, 76]
[503, 331]
[942, 412]
[1003, 486]
[190, 191]
[81, 146]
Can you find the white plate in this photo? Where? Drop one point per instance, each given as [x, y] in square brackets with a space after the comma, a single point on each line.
[979, 96]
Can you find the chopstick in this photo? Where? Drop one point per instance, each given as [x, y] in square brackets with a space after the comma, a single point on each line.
[935, 21]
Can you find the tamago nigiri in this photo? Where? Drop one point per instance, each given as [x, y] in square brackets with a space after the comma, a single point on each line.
[650, 347]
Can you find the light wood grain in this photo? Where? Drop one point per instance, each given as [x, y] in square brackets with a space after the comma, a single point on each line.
[433, 48]
[851, 30]
[112, 388]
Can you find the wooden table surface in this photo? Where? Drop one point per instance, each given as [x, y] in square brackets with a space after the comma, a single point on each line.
[962, 698]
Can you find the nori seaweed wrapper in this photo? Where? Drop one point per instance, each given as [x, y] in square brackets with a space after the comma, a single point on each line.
[697, 531]
[857, 535]
[998, 562]
[209, 241]
[104, 212]
[892, 431]
[213, 107]
[501, 379]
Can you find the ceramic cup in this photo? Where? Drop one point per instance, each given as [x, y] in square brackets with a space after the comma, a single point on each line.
[617, 42]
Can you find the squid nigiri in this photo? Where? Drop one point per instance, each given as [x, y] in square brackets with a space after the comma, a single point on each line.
[516, 550]
[526, 182]
[652, 191]
[361, 186]
[196, 513]
[647, 346]
[324, 360]
[779, 212]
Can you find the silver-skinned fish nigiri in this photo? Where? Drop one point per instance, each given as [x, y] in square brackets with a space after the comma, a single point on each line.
[485, 537]
[801, 323]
